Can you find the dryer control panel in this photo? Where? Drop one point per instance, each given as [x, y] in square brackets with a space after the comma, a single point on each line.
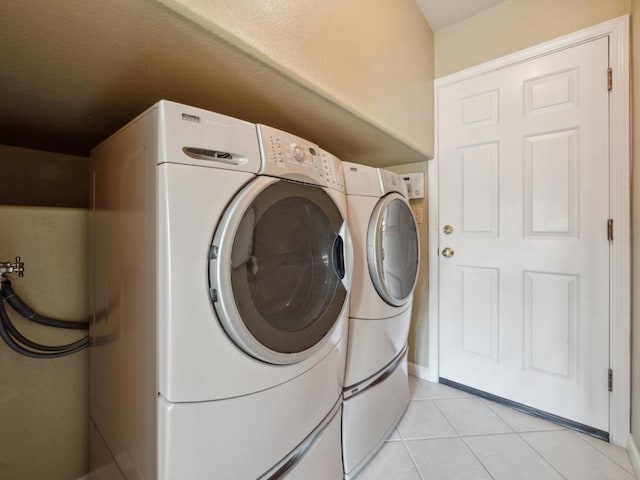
[286, 156]
[392, 182]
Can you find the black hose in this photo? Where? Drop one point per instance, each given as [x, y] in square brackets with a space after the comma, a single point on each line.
[15, 333]
[27, 312]
[8, 339]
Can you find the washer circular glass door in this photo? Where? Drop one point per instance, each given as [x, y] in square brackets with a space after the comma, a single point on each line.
[393, 249]
[276, 269]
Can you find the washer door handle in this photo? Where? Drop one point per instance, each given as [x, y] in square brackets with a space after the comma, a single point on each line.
[338, 257]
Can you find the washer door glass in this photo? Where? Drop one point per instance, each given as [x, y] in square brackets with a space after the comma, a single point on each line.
[393, 249]
[282, 272]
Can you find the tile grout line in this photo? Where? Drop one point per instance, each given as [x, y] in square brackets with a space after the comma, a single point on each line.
[439, 398]
[413, 460]
[444, 415]
[447, 419]
[479, 459]
[488, 404]
[457, 435]
[435, 396]
[402, 438]
[605, 453]
[555, 427]
[406, 447]
[456, 393]
[464, 441]
[497, 414]
[540, 454]
[513, 431]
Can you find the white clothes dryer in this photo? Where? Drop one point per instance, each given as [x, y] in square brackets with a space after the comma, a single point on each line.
[386, 259]
[221, 286]
[385, 269]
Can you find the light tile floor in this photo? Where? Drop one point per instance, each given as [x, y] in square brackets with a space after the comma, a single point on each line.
[447, 434]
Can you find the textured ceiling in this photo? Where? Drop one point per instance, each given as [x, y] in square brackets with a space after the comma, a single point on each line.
[441, 14]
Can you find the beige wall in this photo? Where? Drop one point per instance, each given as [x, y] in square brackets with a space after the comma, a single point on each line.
[44, 403]
[419, 331]
[514, 25]
[635, 223]
[32, 177]
[373, 58]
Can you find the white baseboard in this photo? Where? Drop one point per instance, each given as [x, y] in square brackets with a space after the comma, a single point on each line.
[421, 372]
[634, 455]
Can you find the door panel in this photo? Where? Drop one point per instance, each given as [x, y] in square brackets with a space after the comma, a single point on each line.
[550, 314]
[551, 92]
[551, 183]
[523, 181]
[479, 189]
[479, 311]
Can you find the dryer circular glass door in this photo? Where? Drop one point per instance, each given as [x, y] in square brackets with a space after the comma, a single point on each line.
[393, 249]
[276, 269]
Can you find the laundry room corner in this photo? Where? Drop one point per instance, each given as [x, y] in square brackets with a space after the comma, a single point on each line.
[419, 330]
[44, 403]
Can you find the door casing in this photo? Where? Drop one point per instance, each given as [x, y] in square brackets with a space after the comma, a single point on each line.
[617, 30]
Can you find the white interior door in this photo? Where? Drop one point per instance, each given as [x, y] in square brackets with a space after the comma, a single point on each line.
[523, 182]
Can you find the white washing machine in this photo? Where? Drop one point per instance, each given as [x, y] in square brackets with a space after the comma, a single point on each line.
[220, 285]
[386, 259]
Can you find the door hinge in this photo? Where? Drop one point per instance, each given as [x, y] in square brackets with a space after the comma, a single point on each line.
[610, 229]
[610, 380]
[609, 79]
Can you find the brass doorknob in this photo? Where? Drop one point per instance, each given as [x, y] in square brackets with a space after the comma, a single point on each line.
[447, 229]
[447, 252]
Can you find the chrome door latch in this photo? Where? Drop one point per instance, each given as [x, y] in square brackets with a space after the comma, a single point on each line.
[12, 267]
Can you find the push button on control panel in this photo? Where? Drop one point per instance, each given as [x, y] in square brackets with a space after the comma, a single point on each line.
[331, 173]
[276, 151]
[297, 152]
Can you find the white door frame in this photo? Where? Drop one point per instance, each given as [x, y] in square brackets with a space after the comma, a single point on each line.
[620, 208]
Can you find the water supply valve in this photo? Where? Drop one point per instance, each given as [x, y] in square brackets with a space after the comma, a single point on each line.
[12, 267]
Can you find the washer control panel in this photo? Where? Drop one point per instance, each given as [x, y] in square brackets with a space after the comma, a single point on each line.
[333, 172]
[287, 156]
